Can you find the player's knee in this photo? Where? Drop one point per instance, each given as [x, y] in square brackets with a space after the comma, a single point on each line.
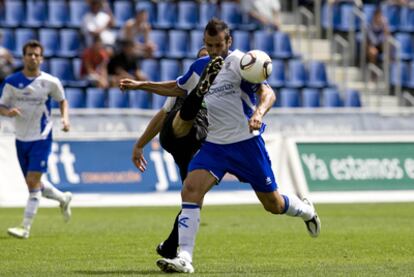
[191, 193]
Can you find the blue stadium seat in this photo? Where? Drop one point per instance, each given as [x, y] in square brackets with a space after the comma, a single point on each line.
[78, 80]
[45, 66]
[95, 98]
[406, 20]
[157, 101]
[263, 40]
[8, 39]
[297, 76]
[207, 11]
[348, 21]
[123, 10]
[69, 43]
[159, 37]
[77, 9]
[149, 7]
[75, 97]
[169, 69]
[392, 13]
[139, 99]
[117, 98]
[278, 76]
[369, 10]
[406, 46]
[335, 19]
[49, 38]
[63, 69]
[231, 14]
[402, 75]
[317, 77]
[289, 98]
[15, 13]
[36, 13]
[22, 35]
[58, 15]
[352, 98]
[166, 15]
[177, 44]
[151, 68]
[241, 40]
[187, 15]
[310, 98]
[196, 42]
[331, 98]
[282, 47]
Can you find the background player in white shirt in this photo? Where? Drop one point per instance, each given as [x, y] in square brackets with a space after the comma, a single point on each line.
[26, 96]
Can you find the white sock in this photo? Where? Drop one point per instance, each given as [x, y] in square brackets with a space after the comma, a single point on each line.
[296, 207]
[188, 223]
[31, 208]
[49, 191]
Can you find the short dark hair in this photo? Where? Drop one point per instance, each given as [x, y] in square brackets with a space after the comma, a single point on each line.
[32, 44]
[215, 26]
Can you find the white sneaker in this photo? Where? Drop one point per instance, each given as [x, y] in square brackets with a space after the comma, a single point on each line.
[65, 207]
[178, 264]
[19, 232]
[314, 224]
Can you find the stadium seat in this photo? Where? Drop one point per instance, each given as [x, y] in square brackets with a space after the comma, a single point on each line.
[369, 10]
[392, 13]
[406, 20]
[177, 44]
[187, 15]
[8, 38]
[123, 10]
[310, 98]
[78, 80]
[95, 98]
[22, 35]
[151, 68]
[263, 40]
[149, 7]
[334, 21]
[207, 11]
[69, 43]
[348, 21]
[159, 37]
[297, 74]
[139, 99]
[331, 98]
[241, 40]
[278, 76]
[58, 15]
[231, 14]
[63, 69]
[36, 13]
[317, 77]
[117, 98]
[75, 97]
[77, 9]
[157, 101]
[45, 66]
[406, 46]
[169, 69]
[49, 38]
[15, 13]
[401, 76]
[196, 42]
[352, 98]
[282, 47]
[166, 15]
[289, 98]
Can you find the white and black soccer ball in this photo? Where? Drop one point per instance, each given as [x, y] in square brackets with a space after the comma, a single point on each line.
[255, 66]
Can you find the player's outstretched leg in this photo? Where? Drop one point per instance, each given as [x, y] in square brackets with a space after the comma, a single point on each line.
[314, 224]
[209, 74]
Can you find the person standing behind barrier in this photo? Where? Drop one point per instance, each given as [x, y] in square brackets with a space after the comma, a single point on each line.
[378, 32]
[26, 96]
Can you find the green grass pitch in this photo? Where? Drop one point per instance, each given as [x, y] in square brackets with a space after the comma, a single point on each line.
[356, 240]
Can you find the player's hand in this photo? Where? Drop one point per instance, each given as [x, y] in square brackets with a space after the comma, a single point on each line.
[138, 158]
[14, 112]
[125, 84]
[65, 124]
[255, 122]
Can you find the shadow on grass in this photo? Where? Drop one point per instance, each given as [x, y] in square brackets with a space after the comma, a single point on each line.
[117, 272]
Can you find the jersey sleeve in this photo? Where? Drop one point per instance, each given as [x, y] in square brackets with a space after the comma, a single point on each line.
[169, 104]
[57, 91]
[189, 80]
[6, 95]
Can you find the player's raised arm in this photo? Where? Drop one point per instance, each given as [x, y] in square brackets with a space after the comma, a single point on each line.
[266, 99]
[166, 88]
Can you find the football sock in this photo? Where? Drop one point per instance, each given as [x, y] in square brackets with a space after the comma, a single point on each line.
[296, 207]
[31, 208]
[188, 223]
[49, 191]
[191, 106]
[172, 241]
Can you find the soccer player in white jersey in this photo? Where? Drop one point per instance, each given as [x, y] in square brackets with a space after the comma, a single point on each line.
[26, 96]
[233, 144]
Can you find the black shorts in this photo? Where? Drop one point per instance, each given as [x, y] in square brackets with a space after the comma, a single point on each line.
[182, 149]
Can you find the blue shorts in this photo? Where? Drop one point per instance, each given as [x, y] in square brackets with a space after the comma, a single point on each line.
[248, 160]
[33, 155]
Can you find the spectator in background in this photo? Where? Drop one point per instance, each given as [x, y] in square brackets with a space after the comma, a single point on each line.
[98, 21]
[6, 61]
[378, 32]
[124, 64]
[265, 12]
[95, 59]
[138, 29]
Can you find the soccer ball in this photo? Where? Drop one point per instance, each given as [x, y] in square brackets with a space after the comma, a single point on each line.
[255, 66]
